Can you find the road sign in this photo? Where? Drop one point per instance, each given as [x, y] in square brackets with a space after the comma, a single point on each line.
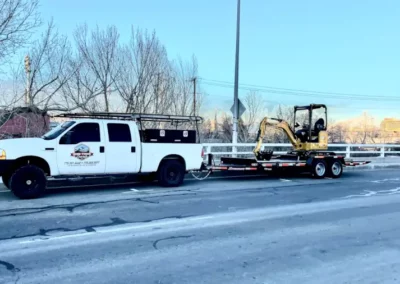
[242, 109]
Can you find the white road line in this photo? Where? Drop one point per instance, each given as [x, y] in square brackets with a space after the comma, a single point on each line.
[139, 191]
[4, 191]
[368, 193]
[386, 180]
[56, 238]
[132, 190]
[228, 177]
[285, 180]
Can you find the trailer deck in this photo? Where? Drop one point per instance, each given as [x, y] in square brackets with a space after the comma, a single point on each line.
[300, 162]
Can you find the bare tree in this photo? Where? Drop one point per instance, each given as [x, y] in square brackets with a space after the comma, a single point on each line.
[99, 52]
[82, 90]
[184, 72]
[337, 133]
[52, 67]
[255, 111]
[18, 18]
[145, 81]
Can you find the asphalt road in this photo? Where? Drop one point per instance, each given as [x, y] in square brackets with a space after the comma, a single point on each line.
[225, 230]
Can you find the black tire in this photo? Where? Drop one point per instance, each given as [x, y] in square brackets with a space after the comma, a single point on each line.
[335, 169]
[171, 173]
[6, 180]
[28, 182]
[319, 168]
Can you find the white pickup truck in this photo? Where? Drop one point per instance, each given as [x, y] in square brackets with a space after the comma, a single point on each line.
[100, 146]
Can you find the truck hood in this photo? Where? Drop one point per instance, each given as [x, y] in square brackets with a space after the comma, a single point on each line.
[19, 147]
[21, 142]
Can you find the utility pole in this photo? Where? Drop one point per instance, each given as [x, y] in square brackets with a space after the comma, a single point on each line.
[157, 91]
[28, 81]
[194, 95]
[236, 88]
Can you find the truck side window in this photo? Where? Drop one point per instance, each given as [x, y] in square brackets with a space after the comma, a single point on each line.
[119, 132]
[83, 132]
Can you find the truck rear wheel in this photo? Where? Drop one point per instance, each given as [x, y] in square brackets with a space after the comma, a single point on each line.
[335, 168]
[28, 182]
[171, 173]
[319, 169]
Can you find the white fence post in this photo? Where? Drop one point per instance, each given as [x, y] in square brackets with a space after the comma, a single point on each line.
[382, 152]
[348, 152]
[234, 151]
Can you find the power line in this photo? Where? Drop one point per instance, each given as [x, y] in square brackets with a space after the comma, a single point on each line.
[331, 106]
[296, 92]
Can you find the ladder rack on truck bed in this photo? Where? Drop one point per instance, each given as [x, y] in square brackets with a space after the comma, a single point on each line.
[134, 116]
[150, 135]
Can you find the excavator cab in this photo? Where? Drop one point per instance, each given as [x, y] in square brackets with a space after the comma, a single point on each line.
[313, 131]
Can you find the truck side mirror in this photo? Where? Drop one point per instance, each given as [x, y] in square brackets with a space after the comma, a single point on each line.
[296, 124]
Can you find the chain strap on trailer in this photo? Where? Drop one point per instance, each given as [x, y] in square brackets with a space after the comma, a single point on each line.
[198, 177]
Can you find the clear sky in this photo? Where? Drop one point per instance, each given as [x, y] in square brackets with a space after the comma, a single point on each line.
[341, 46]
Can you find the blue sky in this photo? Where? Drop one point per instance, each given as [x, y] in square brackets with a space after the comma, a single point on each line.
[334, 46]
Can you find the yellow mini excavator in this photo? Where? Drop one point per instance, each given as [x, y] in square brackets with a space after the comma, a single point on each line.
[308, 138]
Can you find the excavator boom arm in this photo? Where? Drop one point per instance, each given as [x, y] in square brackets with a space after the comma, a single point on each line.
[281, 125]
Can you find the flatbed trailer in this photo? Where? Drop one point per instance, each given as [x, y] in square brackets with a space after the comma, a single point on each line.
[318, 164]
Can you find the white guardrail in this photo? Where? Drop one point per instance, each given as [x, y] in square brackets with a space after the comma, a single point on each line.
[349, 150]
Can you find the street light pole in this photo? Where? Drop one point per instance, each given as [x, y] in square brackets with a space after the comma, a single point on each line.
[236, 88]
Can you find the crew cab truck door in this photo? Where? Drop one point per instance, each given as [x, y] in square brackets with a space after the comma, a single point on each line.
[123, 147]
[80, 150]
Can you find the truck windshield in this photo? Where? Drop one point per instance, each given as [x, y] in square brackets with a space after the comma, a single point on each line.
[57, 131]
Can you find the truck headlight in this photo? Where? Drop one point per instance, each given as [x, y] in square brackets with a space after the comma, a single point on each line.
[2, 154]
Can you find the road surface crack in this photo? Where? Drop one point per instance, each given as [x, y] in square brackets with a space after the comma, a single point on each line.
[70, 207]
[9, 266]
[155, 243]
[147, 201]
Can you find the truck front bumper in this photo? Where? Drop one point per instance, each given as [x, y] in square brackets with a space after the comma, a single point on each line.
[5, 166]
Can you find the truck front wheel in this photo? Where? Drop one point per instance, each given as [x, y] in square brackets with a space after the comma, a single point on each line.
[171, 173]
[28, 182]
[6, 180]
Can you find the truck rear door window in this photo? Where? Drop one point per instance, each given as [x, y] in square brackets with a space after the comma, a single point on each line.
[119, 132]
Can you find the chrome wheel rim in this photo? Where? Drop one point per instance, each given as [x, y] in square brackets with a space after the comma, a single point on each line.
[320, 169]
[336, 168]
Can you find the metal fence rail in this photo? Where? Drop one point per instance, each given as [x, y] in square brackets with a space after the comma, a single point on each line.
[349, 150]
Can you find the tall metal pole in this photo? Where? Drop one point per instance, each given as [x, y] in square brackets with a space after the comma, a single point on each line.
[28, 80]
[236, 91]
